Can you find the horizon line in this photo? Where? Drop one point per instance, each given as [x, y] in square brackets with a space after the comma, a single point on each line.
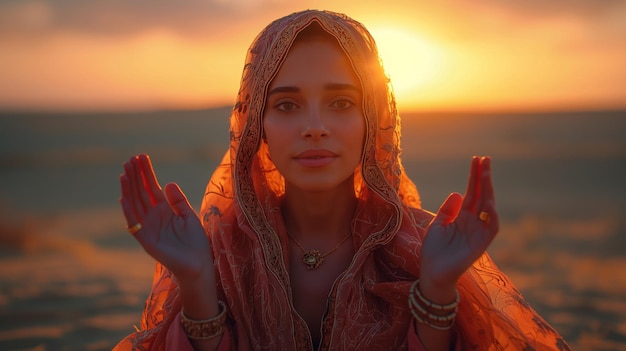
[401, 112]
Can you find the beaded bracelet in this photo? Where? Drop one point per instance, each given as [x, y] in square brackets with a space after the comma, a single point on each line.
[419, 305]
[426, 319]
[205, 329]
[416, 291]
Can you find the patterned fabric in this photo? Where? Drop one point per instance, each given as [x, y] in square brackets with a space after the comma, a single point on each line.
[367, 308]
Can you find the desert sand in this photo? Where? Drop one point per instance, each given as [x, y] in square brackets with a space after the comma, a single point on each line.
[71, 278]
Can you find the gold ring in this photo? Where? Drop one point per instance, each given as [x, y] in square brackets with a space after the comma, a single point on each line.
[134, 229]
[484, 216]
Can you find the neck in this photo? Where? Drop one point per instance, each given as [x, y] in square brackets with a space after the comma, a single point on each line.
[319, 218]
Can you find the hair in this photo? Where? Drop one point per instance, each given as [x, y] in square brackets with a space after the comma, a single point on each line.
[314, 31]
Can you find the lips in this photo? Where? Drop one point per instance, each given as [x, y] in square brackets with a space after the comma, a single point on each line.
[313, 154]
[315, 158]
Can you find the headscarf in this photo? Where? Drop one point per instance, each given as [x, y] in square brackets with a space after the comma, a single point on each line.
[367, 307]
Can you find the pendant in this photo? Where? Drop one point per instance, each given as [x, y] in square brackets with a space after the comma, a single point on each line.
[312, 259]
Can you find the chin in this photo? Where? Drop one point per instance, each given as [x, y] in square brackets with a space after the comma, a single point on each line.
[319, 185]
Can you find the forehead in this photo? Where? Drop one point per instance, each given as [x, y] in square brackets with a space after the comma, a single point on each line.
[315, 59]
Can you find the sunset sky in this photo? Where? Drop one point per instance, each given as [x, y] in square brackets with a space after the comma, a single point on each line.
[86, 55]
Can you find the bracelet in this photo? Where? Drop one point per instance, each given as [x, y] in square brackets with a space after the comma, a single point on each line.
[439, 318]
[415, 291]
[418, 305]
[447, 326]
[205, 329]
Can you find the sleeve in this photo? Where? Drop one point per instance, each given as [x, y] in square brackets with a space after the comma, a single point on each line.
[415, 344]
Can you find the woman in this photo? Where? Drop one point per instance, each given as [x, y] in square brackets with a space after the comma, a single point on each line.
[310, 235]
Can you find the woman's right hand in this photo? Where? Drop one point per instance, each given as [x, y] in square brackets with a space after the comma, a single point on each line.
[171, 232]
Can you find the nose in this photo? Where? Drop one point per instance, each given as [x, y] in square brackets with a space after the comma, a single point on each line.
[314, 127]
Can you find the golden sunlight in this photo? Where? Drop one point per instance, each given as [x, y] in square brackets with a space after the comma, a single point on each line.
[412, 62]
[151, 70]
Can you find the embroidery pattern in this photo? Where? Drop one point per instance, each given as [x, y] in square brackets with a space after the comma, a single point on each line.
[367, 307]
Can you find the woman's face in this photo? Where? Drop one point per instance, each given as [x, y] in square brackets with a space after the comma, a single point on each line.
[313, 119]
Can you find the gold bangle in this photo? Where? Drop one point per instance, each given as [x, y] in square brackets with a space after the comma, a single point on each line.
[451, 306]
[419, 318]
[205, 329]
[418, 305]
[439, 318]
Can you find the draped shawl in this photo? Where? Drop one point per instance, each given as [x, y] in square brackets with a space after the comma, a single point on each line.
[367, 308]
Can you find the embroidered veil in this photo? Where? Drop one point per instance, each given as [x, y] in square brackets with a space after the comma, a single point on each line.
[367, 307]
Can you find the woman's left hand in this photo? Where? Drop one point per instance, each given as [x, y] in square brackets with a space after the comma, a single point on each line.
[461, 231]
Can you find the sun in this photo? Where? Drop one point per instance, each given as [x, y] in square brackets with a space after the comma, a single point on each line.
[411, 62]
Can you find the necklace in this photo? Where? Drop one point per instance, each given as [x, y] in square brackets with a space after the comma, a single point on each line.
[313, 258]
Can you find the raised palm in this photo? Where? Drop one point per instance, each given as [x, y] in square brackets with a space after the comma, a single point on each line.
[171, 231]
[458, 236]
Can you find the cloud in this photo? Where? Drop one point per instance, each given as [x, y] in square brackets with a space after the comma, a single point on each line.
[207, 18]
[187, 18]
[28, 16]
[542, 8]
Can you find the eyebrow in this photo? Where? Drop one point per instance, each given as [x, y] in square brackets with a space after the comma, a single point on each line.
[331, 86]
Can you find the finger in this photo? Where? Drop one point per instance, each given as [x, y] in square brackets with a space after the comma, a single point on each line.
[488, 202]
[493, 222]
[486, 184]
[140, 185]
[128, 197]
[449, 209]
[131, 221]
[129, 213]
[154, 189]
[178, 201]
[129, 189]
[473, 186]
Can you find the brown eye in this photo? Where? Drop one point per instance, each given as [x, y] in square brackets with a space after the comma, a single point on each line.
[342, 104]
[286, 106]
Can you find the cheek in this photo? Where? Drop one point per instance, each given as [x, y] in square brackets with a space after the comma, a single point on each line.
[275, 136]
[358, 133]
[269, 132]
